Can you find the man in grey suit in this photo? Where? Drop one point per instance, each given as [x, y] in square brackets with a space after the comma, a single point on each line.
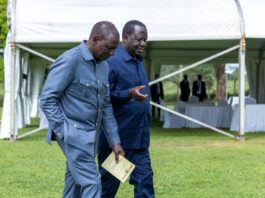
[76, 102]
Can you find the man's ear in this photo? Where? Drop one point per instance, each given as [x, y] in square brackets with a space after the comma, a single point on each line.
[125, 38]
[95, 39]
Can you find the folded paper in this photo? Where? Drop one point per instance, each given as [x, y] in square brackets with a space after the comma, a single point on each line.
[120, 170]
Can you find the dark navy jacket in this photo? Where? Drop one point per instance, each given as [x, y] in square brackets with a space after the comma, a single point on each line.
[133, 117]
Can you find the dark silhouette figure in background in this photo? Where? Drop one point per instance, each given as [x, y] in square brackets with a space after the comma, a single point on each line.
[198, 89]
[157, 94]
[185, 89]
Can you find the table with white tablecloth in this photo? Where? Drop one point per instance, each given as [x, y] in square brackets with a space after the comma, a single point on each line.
[172, 121]
[254, 118]
[216, 116]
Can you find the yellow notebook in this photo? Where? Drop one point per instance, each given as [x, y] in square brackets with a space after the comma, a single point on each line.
[120, 170]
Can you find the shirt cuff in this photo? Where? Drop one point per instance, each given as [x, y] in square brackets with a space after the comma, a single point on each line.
[58, 131]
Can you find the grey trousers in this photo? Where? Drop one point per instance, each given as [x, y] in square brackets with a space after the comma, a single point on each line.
[82, 179]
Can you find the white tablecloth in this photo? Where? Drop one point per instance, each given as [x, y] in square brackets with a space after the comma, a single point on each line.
[172, 121]
[254, 118]
[219, 117]
[216, 116]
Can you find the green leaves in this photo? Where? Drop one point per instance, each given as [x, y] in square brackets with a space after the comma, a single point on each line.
[3, 33]
[3, 23]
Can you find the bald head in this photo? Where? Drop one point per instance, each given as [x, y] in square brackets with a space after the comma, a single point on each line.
[104, 29]
[103, 40]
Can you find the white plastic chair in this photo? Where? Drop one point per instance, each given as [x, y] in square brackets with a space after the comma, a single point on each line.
[193, 99]
[250, 100]
[222, 103]
[208, 103]
[180, 107]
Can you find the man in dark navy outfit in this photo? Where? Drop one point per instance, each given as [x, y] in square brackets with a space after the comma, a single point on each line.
[129, 92]
[185, 89]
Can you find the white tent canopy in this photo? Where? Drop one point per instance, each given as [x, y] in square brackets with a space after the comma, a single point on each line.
[71, 21]
[180, 32]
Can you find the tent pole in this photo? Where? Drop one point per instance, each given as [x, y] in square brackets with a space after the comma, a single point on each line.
[226, 87]
[13, 131]
[242, 53]
[35, 52]
[30, 133]
[13, 135]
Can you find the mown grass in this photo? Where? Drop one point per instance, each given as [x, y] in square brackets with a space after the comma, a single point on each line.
[186, 163]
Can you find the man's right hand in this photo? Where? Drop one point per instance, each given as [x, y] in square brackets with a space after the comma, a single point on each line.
[135, 93]
[118, 150]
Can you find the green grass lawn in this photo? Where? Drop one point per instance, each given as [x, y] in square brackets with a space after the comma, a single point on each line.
[186, 163]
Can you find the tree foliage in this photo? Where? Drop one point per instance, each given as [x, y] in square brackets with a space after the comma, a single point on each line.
[3, 33]
[3, 24]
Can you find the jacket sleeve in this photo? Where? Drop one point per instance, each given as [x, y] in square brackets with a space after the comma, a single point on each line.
[118, 97]
[109, 124]
[59, 77]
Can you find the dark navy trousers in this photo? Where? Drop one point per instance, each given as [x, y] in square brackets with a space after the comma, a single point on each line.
[141, 177]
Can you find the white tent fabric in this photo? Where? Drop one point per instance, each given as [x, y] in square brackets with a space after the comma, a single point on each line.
[36, 79]
[179, 32]
[25, 89]
[5, 124]
[71, 20]
[256, 79]
[253, 11]
[18, 83]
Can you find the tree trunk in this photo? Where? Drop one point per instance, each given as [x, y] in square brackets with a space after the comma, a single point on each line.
[220, 86]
